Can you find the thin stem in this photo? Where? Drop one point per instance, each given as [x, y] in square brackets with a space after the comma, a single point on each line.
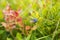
[43, 37]
[55, 30]
[12, 34]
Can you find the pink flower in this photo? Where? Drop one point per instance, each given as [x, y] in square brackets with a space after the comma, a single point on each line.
[27, 28]
[11, 16]
[16, 14]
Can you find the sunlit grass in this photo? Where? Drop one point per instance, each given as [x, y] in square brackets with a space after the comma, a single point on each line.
[42, 17]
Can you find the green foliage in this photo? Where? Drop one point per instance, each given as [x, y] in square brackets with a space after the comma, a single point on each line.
[48, 19]
[18, 36]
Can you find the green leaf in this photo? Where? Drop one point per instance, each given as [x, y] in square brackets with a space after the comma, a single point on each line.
[1, 31]
[19, 36]
[28, 37]
[9, 39]
[3, 36]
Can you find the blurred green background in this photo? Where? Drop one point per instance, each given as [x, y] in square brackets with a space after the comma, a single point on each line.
[46, 11]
